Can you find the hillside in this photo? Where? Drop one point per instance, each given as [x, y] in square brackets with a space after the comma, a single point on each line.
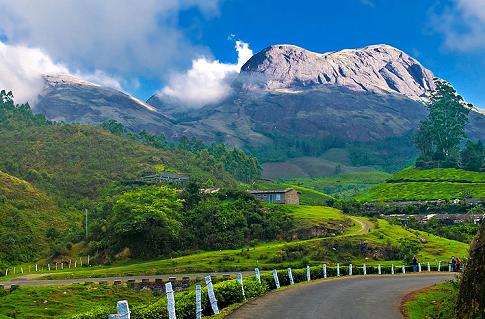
[431, 184]
[76, 162]
[31, 221]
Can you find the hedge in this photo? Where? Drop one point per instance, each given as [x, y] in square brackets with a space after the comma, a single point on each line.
[229, 292]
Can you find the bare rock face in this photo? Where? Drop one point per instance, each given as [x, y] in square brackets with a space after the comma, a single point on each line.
[373, 68]
[69, 99]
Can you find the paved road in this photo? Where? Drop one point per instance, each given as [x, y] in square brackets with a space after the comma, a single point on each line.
[369, 297]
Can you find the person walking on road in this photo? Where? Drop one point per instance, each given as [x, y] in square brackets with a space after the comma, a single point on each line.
[415, 264]
[458, 264]
[453, 264]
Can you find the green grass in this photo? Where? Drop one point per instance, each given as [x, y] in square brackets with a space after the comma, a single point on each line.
[349, 248]
[433, 302]
[65, 301]
[344, 185]
[433, 184]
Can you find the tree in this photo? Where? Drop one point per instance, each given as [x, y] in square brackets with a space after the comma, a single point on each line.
[472, 156]
[440, 134]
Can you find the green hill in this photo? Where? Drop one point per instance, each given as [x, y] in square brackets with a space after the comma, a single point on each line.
[31, 221]
[428, 184]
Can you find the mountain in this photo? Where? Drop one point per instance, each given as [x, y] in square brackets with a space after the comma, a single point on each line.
[69, 99]
[288, 103]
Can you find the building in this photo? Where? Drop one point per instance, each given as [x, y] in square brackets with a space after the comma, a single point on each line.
[278, 196]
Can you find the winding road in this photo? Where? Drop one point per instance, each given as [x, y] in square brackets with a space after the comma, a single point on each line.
[372, 297]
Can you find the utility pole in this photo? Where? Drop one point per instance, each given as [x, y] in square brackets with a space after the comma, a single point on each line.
[86, 211]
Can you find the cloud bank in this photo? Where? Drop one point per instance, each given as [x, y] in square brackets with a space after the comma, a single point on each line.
[22, 68]
[122, 37]
[462, 25]
[207, 81]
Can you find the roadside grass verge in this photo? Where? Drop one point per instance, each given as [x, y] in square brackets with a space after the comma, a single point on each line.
[433, 302]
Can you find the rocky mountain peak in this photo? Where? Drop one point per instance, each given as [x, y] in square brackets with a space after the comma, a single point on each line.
[372, 68]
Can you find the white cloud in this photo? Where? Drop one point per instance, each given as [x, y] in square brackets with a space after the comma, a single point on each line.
[208, 81]
[22, 68]
[462, 25]
[121, 37]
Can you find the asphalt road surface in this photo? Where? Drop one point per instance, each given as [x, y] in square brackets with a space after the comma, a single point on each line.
[373, 297]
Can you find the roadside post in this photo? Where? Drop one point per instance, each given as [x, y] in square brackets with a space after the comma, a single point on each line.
[439, 265]
[338, 270]
[350, 269]
[419, 267]
[258, 275]
[403, 269]
[324, 270]
[449, 267]
[365, 270]
[170, 301]
[290, 275]
[379, 269]
[276, 280]
[212, 296]
[429, 267]
[308, 278]
[392, 269]
[240, 281]
[198, 302]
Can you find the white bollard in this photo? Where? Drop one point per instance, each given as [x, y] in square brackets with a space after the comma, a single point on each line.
[70, 263]
[449, 267]
[276, 280]
[403, 269]
[29, 268]
[170, 301]
[392, 269]
[36, 269]
[379, 269]
[21, 269]
[88, 260]
[212, 296]
[56, 266]
[6, 272]
[240, 281]
[365, 270]
[429, 267]
[62, 265]
[290, 275]
[419, 267]
[324, 270]
[198, 302]
[258, 275]
[350, 269]
[338, 270]
[75, 263]
[308, 278]
[439, 265]
[49, 267]
[81, 261]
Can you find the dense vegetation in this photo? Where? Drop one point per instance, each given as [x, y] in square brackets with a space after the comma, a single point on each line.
[430, 184]
[155, 221]
[439, 137]
[30, 222]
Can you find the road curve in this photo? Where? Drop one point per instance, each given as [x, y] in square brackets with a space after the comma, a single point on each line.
[372, 297]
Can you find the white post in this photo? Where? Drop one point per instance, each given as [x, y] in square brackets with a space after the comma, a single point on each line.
[290, 275]
[21, 269]
[198, 302]
[392, 269]
[429, 267]
[379, 272]
[338, 270]
[439, 265]
[6, 272]
[29, 268]
[365, 270]
[56, 266]
[419, 267]
[240, 281]
[62, 265]
[81, 261]
[49, 267]
[449, 267]
[170, 301]
[75, 263]
[258, 275]
[88, 260]
[276, 280]
[403, 269]
[212, 296]
[324, 270]
[308, 277]
[123, 309]
[350, 269]
[36, 267]
[70, 263]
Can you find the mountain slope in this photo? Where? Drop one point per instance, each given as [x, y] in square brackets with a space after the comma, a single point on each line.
[68, 99]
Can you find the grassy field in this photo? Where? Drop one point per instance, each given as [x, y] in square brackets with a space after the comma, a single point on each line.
[433, 184]
[434, 302]
[353, 246]
[344, 185]
[65, 301]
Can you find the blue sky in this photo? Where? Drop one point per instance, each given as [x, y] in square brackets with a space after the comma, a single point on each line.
[147, 45]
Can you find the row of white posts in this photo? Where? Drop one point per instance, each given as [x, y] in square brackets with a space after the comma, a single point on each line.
[124, 313]
[50, 267]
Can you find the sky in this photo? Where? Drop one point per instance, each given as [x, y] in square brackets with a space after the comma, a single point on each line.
[190, 50]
